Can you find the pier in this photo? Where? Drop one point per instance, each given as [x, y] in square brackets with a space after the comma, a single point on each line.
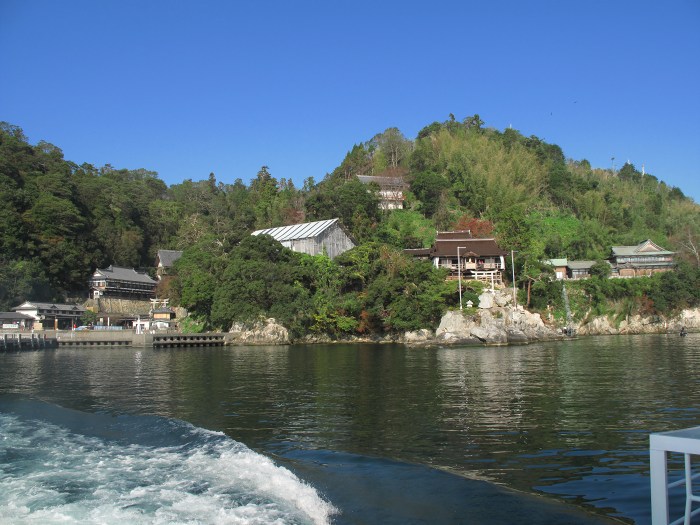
[16, 341]
[140, 340]
[106, 338]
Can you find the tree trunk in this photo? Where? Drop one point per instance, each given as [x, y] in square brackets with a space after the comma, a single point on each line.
[529, 285]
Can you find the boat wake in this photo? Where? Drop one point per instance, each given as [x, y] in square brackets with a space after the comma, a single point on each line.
[64, 466]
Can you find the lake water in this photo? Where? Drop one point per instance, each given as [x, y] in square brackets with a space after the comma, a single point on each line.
[545, 433]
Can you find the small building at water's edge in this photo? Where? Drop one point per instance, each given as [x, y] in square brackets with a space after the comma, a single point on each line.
[50, 315]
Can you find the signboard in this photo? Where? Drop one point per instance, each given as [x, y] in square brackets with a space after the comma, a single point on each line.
[10, 325]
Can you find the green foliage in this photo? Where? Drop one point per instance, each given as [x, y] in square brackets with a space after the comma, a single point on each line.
[192, 325]
[663, 293]
[20, 280]
[195, 284]
[262, 278]
[601, 269]
[89, 317]
[61, 220]
[350, 201]
[675, 290]
[407, 229]
[429, 187]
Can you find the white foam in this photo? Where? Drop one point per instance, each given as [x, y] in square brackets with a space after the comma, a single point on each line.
[48, 475]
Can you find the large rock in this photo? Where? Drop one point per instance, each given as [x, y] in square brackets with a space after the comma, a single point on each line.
[262, 332]
[689, 318]
[503, 298]
[530, 324]
[456, 323]
[638, 324]
[419, 336]
[490, 334]
[516, 336]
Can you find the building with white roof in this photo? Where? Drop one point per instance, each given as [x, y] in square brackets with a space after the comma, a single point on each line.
[313, 238]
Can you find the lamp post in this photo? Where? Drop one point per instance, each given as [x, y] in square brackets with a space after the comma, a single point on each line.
[512, 267]
[459, 274]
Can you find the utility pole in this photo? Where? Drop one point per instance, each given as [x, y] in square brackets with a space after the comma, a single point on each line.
[512, 267]
[459, 274]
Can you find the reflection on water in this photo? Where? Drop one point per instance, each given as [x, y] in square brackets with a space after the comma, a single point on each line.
[568, 418]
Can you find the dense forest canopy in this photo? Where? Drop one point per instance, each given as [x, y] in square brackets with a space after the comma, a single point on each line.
[61, 220]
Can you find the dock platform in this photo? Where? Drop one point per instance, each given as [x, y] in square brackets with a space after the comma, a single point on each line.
[17, 341]
[108, 338]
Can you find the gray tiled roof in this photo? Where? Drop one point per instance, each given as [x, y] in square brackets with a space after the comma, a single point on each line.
[383, 181]
[30, 305]
[15, 316]
[643, 248]
[118, 273]
[168, 257]
[581, 265]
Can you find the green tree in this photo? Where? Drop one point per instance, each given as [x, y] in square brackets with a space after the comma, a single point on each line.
[262, 278]
[429, 187]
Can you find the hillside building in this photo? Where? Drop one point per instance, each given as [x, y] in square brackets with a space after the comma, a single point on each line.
[645, 258]
[313, 238]
[477, 259]
[124, 283]
[165, 259]
[390, 190]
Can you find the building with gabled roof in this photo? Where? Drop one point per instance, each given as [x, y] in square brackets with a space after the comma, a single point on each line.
[313, 238]
[390, 190]
[165, 259]
[51, 315]
[460, 253]
[580, 269]
[559, 266]
[125, 283]
[645, 258]
[16, 320]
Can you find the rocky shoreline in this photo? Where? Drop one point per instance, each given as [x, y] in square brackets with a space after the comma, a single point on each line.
[495, 322]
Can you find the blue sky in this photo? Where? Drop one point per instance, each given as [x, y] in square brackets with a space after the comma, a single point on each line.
[189, 88]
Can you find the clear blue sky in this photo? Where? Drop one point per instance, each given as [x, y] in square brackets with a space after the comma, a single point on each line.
[189, 88]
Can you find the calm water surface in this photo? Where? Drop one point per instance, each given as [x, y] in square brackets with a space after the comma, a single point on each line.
[567, 420]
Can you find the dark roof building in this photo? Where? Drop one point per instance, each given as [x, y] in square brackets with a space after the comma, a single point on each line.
[51, 315]
[461, 254]
[165, 259]
[126, 283]
[580, 269]
[10, 320]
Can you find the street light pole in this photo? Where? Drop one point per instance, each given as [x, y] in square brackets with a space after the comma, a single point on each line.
[459, 274]
[512, 267]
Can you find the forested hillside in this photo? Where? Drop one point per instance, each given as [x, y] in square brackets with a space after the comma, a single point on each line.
[60, 220]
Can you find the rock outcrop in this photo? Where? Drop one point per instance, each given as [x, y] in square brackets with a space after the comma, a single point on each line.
[496, 325]
[638, 324]
[261, 332]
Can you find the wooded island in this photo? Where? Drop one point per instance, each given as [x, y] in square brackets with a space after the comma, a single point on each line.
[61, 221]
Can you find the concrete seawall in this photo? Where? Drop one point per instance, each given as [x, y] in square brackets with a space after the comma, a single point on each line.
[16, 341]
[130, 338]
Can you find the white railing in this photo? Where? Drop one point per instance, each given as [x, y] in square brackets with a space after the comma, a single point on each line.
[686, 442]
